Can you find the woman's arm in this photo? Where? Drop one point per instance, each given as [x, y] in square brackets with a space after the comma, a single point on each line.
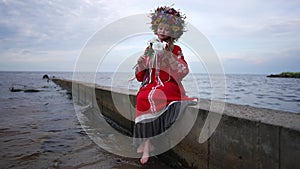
[179, 67]
[140, 69]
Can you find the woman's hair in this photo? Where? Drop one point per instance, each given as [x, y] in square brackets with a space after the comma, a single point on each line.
[170, 16]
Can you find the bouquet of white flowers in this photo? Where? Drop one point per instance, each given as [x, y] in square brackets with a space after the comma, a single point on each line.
[155, 48]
[157, 45]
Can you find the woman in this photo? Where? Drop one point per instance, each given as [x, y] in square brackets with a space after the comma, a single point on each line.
[161, 70]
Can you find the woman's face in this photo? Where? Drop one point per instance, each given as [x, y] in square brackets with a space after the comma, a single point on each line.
[163, 31]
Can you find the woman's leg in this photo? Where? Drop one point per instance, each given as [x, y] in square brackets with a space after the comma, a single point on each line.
[146, 152]
[140, 149]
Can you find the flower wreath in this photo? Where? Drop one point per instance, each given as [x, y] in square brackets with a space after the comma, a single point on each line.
[170, 16]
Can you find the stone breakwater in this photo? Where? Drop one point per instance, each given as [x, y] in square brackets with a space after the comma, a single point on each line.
[246, 137]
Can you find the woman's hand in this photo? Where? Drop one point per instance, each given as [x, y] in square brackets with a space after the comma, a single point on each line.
[141, 63]
[167, 58]
[141, 60]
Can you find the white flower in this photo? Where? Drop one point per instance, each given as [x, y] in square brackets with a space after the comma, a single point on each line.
[157, 45]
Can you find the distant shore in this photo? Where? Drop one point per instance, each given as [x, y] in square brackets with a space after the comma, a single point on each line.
[286, 75]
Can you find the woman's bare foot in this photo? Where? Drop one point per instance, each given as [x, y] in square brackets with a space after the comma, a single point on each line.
[146, 147]
[145, 156]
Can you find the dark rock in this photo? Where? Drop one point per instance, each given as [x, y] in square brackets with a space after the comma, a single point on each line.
[45, 77]
[31, 90]
[12, 89]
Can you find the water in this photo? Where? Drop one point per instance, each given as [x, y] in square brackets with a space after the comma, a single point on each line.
[41, 130]
[254, 90]
[260, 91]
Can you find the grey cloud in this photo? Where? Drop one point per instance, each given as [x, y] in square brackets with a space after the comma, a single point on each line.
[54, 24]
[274, 62]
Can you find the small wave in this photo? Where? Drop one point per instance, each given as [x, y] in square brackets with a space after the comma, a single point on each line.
[283, 99]
[54, 131]
[32, 156]
[290, 96]
[6, 133]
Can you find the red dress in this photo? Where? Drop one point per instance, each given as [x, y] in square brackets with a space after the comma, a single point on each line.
[161, 92]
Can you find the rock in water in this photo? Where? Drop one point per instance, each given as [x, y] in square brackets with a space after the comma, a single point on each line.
[45, 77]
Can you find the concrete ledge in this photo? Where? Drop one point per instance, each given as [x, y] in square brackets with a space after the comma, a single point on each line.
[246, 137]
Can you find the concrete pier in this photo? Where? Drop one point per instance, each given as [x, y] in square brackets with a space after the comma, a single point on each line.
[246, 137]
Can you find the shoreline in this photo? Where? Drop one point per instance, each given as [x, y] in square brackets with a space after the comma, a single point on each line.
[285, 75]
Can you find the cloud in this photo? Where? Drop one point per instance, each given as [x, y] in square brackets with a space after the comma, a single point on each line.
[217, 18]
[27, 59]
[245, 33]
[269, 62]
[46, 23]
[47, 32]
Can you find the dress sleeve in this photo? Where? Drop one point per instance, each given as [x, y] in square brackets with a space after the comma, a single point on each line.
[140, 74]
[179, 67]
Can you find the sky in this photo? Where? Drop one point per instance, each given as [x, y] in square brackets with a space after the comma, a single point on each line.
[249, 37]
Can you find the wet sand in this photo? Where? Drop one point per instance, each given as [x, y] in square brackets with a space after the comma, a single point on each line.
[41, 130]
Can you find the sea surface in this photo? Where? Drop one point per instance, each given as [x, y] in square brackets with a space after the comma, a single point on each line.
[41, 130]
[244, 89]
